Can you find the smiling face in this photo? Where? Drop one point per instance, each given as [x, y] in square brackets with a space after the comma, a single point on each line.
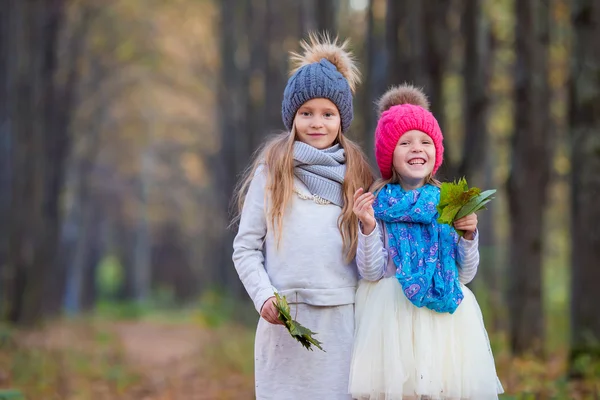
[317, 123]
[414, 159]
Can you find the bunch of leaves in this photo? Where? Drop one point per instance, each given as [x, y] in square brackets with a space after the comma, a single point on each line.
[457, 200]
[298, 332]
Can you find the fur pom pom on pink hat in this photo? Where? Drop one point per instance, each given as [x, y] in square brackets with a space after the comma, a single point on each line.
[404, 108]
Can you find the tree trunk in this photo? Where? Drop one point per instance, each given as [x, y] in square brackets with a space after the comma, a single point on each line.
[233, 104]
[74, 42]
[529, 176]
[319, 16]
[375, 77]
[39, 114]
[255, 107]
[434, 56]
[5, 132]
[477, 160]
[282, 30]
[326, 16]
[585, 181]
[476, 72]
[417, 46]
[395, 19]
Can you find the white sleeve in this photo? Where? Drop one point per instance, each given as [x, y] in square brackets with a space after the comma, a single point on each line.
[468, 258]
[371, 255]
[248, 256]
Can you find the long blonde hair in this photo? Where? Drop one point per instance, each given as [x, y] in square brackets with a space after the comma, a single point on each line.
[277, 154]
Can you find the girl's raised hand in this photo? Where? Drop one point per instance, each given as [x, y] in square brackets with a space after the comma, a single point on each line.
[468, 224]
[363, 209]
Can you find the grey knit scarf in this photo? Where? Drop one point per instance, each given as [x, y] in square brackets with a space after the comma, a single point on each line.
[322, 171]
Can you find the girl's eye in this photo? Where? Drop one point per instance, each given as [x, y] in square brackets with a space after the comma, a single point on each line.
[305, 113]
[426, 142]
[328, 115]
[403, 143]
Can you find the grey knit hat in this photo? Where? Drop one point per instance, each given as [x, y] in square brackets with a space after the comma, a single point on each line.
[325, 70]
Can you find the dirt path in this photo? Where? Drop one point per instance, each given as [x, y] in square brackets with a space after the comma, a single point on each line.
[170, 359]
[181, 361]
[164, 354]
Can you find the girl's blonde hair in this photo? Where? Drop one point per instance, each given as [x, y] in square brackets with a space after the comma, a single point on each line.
[396, 178]
[277, 154]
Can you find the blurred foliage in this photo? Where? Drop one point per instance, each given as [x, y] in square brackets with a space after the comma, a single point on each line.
[109, 277]
[77, 358]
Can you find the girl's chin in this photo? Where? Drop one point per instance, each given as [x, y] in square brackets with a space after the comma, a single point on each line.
[320, 142]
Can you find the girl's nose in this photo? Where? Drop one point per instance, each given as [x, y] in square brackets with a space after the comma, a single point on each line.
[316, 123]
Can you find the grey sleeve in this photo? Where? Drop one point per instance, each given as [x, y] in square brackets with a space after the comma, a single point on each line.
[248, 256]
[371, 255]
[468, 258]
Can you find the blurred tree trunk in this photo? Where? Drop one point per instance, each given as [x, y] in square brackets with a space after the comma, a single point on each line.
[94, 253]
[476, 101]
[397, 53]
[326, 16]
[319, 16]
[234, 154]
[434, 53]
[5, 131]
[171, 264]
[283, 31]
[124, 239]
[477, 160]
[83, 219]
[39, 113]
[374, 76]
[255, 106]
[585, 181]
[73, 42]
[417, 43]
[529, 176]
[142, 254]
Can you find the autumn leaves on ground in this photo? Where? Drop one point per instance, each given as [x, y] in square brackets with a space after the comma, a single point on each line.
[205, 352]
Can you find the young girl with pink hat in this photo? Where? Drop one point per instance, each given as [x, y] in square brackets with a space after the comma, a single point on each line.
[420, 332]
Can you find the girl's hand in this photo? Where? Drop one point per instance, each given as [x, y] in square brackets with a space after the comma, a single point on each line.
[363, 209]
[269, 312]
[467, 224]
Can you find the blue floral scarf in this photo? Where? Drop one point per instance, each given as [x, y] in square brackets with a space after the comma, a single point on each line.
[423, 250]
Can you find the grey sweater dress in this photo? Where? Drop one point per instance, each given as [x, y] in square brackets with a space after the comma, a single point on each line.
[308, 268]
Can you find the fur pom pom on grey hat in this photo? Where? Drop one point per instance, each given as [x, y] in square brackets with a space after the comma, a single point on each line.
[325, 69]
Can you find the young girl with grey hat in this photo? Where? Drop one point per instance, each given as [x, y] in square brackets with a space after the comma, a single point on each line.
[297, 232]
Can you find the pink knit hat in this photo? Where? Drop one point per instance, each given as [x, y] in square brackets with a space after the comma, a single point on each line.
[404, 108]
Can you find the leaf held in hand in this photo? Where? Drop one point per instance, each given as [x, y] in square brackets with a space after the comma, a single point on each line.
[457, 200]
[298, 332]
[476, 203]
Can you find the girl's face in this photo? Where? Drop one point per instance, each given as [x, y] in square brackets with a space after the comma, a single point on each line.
[317, 123]
[414, 159]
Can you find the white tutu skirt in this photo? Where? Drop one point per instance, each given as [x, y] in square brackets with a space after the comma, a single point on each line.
[405, 352]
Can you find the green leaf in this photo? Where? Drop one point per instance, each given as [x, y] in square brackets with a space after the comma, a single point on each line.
[457, 200]
[296, 330]
[450, 192]
[448, 214]
[475, 204]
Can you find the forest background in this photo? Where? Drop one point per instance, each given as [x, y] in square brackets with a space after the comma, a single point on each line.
[124, 126]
